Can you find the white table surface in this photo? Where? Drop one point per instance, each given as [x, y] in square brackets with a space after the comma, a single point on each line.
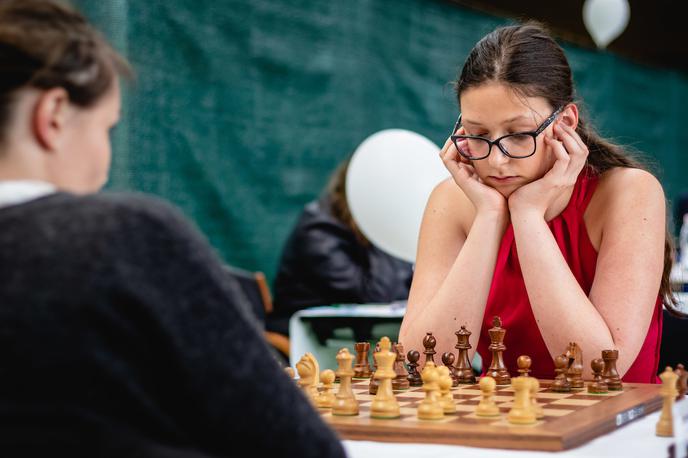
[302, 340]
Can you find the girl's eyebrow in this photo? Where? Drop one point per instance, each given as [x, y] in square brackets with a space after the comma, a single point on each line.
[507, 121]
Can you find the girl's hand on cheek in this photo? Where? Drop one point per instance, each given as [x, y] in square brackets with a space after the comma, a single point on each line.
[547, 193]
[484, 198]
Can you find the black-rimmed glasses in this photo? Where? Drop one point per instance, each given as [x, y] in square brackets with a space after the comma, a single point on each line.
[518, 145]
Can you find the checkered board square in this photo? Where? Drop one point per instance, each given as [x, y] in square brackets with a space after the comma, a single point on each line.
[570, 419]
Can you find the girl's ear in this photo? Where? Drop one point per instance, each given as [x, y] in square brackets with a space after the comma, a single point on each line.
[569, 116]
[49, 116]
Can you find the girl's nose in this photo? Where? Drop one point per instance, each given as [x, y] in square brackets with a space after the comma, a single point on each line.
[497, 157]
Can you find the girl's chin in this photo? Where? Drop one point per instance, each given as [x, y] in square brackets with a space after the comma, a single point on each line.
[506, 192]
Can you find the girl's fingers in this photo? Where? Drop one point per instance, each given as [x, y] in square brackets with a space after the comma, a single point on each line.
[573, 135]
[446, 146]
[469, 169]
[562, 158]
[577, 153]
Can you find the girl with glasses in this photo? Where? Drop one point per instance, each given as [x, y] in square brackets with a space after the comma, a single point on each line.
[543, 223]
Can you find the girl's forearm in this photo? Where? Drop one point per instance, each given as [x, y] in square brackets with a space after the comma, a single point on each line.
[562, 310]
[462, 296]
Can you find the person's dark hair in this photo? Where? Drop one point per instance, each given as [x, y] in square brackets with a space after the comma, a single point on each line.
[335, 193]
[527, 59]
[45, 44]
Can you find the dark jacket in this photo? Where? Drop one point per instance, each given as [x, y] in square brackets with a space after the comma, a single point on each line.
[324, 263]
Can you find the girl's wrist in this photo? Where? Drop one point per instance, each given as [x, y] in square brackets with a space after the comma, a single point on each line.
[498, 218]
[517, 208]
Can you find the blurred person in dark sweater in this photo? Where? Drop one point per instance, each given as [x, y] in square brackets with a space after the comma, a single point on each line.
[120, 332]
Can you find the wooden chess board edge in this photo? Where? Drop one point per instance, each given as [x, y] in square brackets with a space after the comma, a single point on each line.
[595, 421]
[554, 435]
[489, 438]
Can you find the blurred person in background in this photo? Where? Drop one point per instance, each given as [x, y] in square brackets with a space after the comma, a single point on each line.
[327, 260]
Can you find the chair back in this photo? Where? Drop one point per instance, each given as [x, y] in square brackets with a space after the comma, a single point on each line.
[255, 287]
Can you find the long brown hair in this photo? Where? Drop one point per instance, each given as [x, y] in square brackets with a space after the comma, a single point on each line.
[335, 193]
[45, 44]
[527, 58]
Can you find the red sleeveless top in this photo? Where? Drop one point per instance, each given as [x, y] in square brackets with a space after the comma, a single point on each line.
[508, 298]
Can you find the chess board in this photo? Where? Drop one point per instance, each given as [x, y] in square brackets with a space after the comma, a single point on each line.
[571, 419]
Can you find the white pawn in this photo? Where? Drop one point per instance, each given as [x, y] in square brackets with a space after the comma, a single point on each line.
[430, 408]
[445, 383]
[326, 397]
[522, 412]
[487, 406]
[534, 388]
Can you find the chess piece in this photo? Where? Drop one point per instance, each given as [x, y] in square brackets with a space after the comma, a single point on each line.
[609, 374]
[665, 425]
[429, 343]
[522, 412]
[497, 368]
[598, 384]
[448, 359]
[309, 375]
[574, 371]
[487, 406]
[414, 377]
[681, 381]
[464, 371]
[326, 398]
[372, 387]
[345, 402]
[523, 362]
[430, 408]
[400, 382]
[445, 384]
[561, 383]
[384, 403]
[535, 405]
[362, 366]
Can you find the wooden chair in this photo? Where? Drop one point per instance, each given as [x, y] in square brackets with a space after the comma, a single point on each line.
[255, 287]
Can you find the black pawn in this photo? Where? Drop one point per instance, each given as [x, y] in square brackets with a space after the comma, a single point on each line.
[561, 383]
[413, 376]
[448, 359]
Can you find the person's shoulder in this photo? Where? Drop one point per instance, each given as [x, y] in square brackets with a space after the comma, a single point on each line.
[113, 211]
[625, 191]
[624, 183]
[451, 204]
[126, 205]
[317, 216]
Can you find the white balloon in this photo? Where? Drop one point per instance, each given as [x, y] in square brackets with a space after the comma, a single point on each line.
[389, 180]
[605, 19]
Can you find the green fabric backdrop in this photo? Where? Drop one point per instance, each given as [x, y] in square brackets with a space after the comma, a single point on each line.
[242, 108]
